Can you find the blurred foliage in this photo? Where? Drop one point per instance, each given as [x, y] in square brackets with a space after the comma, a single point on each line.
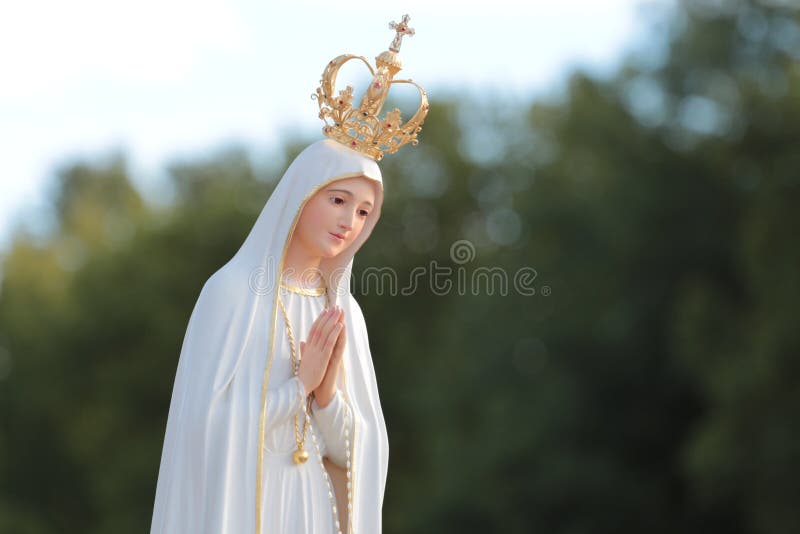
[656, 388]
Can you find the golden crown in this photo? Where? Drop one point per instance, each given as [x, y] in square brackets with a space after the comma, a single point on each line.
[359, 127]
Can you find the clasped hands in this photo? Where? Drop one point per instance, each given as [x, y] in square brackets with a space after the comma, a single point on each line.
[322, 355]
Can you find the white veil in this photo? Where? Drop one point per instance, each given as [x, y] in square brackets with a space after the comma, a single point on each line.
[211, 475]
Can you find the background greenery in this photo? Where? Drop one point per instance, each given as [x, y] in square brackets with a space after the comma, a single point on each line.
[655, 389]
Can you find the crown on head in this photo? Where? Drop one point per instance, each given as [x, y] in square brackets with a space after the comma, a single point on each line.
[359, 127]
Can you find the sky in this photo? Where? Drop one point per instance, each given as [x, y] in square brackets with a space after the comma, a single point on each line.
[167, 79]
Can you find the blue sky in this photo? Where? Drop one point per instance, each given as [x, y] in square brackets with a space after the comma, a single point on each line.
[163, 79]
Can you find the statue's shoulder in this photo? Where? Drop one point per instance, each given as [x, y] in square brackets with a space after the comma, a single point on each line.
[228, 280]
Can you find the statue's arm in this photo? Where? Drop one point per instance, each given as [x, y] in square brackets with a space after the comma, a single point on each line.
[285, 401]
[335, 423]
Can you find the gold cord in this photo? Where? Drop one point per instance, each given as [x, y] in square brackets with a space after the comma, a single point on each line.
[307, 291]
[300, 441]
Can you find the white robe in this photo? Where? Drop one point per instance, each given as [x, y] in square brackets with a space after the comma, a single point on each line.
[214, 470]
[296, 496]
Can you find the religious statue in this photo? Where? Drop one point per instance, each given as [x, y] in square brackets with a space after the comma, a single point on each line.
[275, 424]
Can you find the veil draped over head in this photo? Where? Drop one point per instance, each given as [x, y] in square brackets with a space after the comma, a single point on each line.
[211, 477]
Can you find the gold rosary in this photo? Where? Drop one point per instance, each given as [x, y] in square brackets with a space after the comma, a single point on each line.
[300, 455]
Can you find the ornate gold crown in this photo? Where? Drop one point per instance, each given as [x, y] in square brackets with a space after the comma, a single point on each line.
[360, 128]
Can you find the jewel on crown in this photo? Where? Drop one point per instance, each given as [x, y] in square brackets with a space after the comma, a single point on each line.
[359, 127]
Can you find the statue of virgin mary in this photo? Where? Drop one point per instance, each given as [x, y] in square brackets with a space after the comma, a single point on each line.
[227, 460]
[251, 446]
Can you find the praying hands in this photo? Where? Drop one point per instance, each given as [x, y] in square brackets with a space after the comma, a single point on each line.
[322, 355]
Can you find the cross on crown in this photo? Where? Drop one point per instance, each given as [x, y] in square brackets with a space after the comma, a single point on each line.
[402, 30]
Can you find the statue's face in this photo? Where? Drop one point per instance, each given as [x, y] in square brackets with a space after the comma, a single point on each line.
[340, 208]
